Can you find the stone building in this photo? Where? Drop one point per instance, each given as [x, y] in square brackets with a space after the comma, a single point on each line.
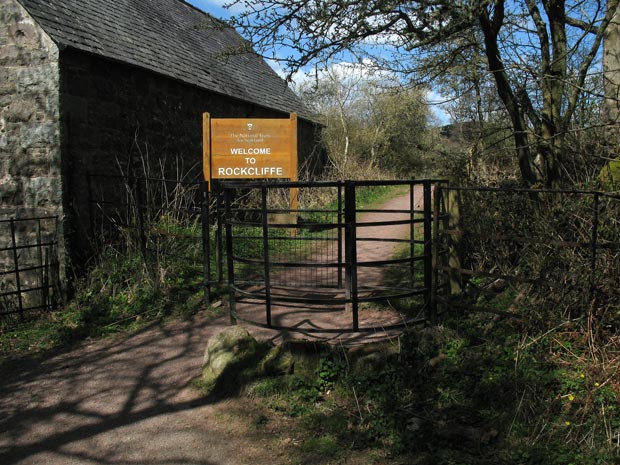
[104, 86]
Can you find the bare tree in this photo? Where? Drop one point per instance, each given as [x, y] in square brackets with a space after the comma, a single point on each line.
[539, 53]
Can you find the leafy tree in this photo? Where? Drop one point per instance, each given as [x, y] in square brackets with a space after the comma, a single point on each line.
[370, 120]
[402, 139]
[332, 97]
[539, 53]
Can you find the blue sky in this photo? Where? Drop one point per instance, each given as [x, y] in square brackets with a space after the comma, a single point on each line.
[215, 8]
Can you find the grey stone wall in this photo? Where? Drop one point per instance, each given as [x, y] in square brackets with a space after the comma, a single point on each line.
[30, 174]
[29, 116]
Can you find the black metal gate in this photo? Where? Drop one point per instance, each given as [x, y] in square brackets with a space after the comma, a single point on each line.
[342, 268]
[333, 265]
[29, 268]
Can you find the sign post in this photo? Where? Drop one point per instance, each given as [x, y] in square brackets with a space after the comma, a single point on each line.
[251, 148]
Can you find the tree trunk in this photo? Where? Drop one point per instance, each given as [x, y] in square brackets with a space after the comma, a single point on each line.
[490, 29]
[554, 66]
[611, 70]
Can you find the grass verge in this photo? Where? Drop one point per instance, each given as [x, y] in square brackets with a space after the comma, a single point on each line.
[480, 389]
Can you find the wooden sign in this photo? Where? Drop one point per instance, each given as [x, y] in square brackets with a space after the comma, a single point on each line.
[250, 148]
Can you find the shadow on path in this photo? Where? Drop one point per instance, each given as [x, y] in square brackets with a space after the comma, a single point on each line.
[129, 400]
[122, 401]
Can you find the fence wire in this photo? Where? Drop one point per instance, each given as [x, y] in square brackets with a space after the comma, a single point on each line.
[560, 248]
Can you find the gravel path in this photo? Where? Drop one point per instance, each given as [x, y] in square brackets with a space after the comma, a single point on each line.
[129, 400]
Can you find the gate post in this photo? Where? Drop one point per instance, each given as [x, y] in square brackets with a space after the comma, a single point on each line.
[429, 299]
[206, 242]
[265, 225]
[339, 214]
[229, 256]
[351, 250]
[412, 184]
[436, 250]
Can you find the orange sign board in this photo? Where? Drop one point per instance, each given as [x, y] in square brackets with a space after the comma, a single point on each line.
[251, 148]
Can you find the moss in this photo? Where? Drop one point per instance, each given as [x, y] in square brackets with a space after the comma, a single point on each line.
[227, 354]
[371, 357]
[298, 356]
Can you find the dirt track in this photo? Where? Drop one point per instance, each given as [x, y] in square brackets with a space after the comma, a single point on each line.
[129, 401]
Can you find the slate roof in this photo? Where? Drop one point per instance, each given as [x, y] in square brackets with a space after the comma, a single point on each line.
[169, 37]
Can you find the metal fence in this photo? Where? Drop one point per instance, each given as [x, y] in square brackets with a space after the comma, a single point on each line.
[270, 255]
[29, 267]
[562, 246]
[299, 264]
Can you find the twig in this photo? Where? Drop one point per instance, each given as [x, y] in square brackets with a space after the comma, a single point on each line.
[547, 333]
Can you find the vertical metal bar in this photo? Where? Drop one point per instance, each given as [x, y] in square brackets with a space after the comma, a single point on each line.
[58, 294]
[206, 244]
[428, 252]
[40, 265]
[444, 211]
[46, 282]
[299, 273]
[351, 250]
[435, 250]
[18, 285]
[229, 253]
[265, 225]
[339, 214]
[411, 234]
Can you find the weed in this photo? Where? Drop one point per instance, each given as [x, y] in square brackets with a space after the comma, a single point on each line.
[486, 397]
[326, 446]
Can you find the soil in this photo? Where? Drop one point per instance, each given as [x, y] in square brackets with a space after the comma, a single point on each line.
[130, 400]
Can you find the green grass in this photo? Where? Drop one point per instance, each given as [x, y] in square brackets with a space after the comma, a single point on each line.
[471, 391]
[325, 446]
[374, 196]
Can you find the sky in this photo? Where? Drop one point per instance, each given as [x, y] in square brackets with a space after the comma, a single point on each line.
[216, 8]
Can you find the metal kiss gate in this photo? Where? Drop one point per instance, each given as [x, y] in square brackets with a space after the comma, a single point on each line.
[335, 269]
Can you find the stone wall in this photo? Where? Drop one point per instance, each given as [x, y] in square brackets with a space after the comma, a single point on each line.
[30, 176]
[29, 116]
